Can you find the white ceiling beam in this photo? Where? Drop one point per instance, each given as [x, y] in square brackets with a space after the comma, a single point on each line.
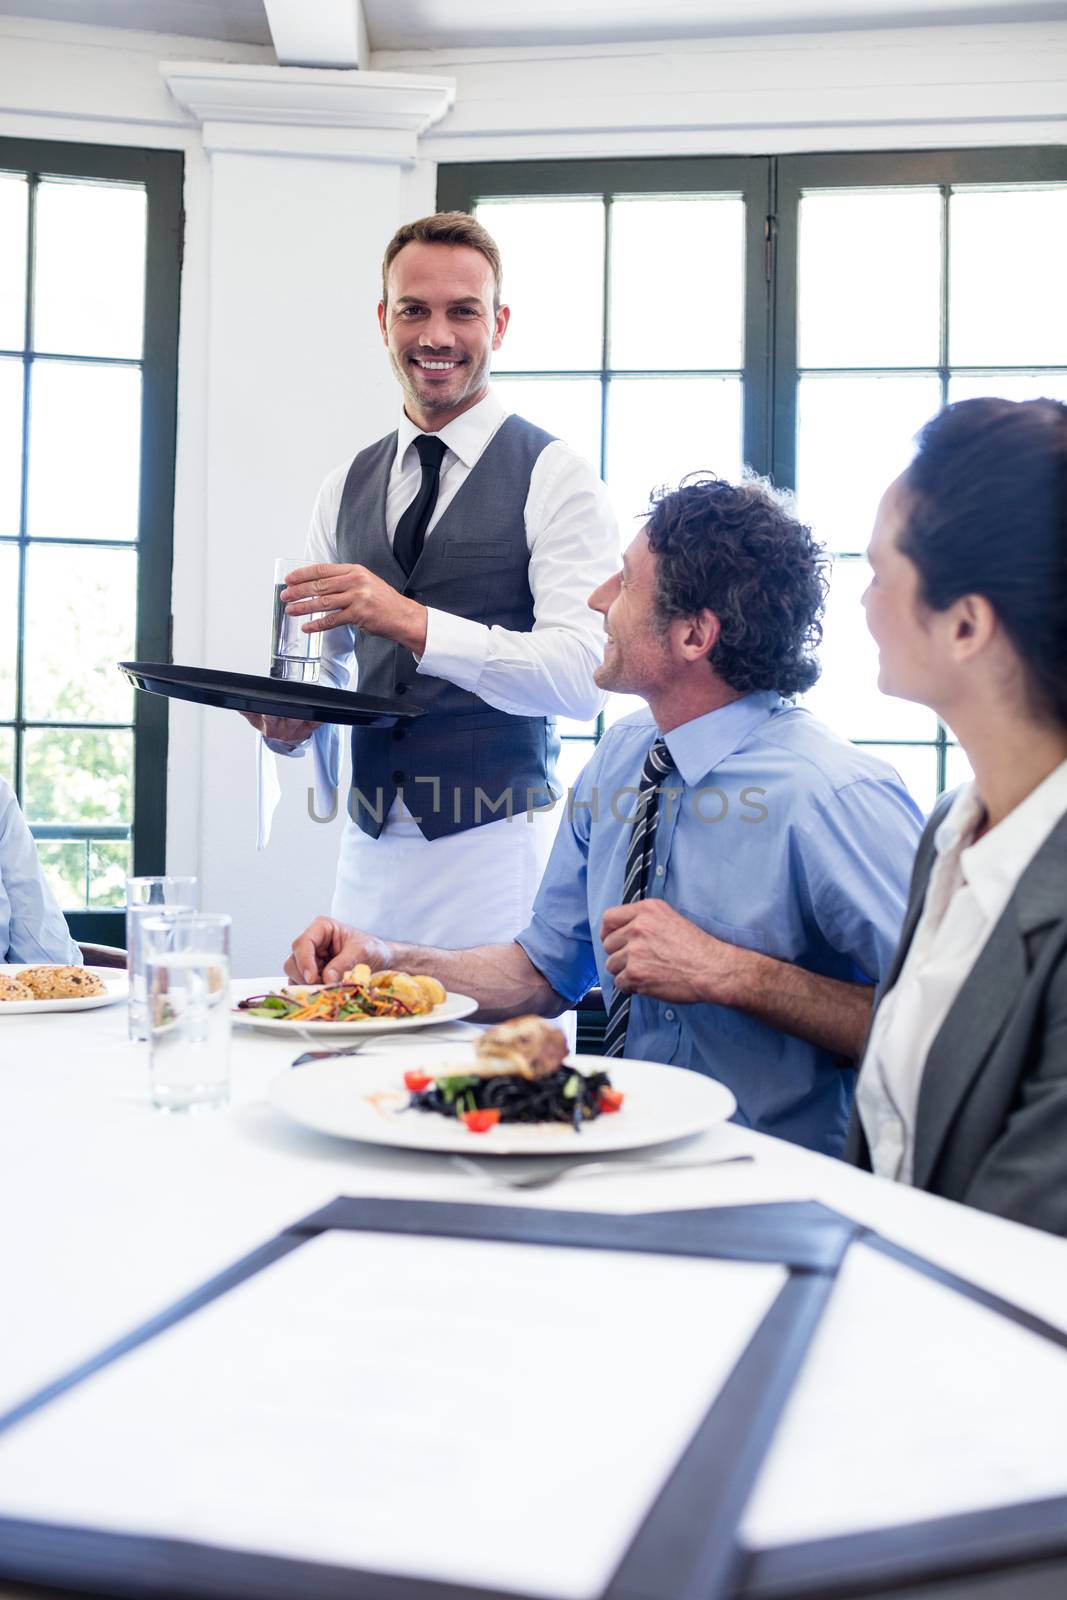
[318, 33]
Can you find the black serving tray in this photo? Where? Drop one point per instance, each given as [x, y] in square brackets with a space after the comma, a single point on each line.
[272, 697]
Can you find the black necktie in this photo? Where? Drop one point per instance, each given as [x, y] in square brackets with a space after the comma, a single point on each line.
[411, 529]
[658, 762]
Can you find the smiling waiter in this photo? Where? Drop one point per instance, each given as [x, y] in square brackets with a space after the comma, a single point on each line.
[451, 561]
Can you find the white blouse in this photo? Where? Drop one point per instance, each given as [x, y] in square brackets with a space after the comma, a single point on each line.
[969, 887]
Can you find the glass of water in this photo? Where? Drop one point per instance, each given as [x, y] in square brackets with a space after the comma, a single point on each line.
[187, 960]
[293, 653]
[151, 897]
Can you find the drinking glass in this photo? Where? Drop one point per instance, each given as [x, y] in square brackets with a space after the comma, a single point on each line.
[293, 653]
[154, 896]
[187, 959]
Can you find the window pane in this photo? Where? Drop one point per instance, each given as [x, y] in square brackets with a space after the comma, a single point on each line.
[570, 727]
[957, 768]
[574, 755]
[916, 764]
[869, 278]
[110, 863]
[622, 705]
[11, 371]
[85, 434]
[567, 407]
[89, 260]
[7, 754]
[9, 631]
[854, 435]
[556, 321]
[660, 429]
[14, 209]
[81, 617]
[77, 775]
[847, 696]
[1008, 385]
[692, 248]
[1006, 253]
[63, 861]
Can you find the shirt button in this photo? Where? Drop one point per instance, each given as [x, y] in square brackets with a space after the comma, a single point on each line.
[398, 777]
[398, 733]
[660, 871]
[669, 1016]
[401, 688]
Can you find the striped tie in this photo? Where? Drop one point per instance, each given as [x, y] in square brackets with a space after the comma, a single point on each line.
[658, 762]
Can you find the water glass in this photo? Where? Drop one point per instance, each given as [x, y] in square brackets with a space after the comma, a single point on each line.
[293, 653]
[151, 896]
[187, 958]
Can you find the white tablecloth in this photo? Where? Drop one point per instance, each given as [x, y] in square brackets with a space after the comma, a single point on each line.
[110, 1210]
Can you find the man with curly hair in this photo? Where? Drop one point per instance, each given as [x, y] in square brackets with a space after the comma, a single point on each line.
[732, 872]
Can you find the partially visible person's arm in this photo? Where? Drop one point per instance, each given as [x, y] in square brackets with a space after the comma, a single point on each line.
[501, 977]
[37, 930]
[652, 949]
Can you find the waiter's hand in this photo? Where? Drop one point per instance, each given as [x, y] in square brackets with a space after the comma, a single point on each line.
[352, 595]
[289, 730]
[326, 950]
[653, 950]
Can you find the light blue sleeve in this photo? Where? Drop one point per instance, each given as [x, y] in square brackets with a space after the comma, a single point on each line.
[32, 927]
[558, 939]
[856, 856]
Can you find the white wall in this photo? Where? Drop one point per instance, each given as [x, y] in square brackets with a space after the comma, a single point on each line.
[281, 372]
[899, 88]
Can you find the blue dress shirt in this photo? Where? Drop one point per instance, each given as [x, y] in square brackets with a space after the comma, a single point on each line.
[774, 834]
[32, 927]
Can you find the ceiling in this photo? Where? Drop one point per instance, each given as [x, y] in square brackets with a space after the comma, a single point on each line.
[445, 24]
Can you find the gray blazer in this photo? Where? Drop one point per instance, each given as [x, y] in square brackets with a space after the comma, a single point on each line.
[991, 1125]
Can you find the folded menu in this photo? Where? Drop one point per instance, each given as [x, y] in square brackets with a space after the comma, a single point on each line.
[490, 1413]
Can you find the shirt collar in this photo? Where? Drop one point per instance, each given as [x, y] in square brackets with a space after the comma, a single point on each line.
[466, 435]
[994, 865]
[700, 745]
[959, 821]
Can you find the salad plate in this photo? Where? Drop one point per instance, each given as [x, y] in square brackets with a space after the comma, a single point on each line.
[364, 1097]
[113, 978]
[451, 1009]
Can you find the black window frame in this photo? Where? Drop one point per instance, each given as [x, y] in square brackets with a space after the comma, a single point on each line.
[771, 368]
[161, 172]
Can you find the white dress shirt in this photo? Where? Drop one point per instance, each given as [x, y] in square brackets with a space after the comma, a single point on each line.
[969, 888]
[478, 886]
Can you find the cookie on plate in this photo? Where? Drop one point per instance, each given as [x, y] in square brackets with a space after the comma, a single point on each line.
[12, 989]
[61, 983]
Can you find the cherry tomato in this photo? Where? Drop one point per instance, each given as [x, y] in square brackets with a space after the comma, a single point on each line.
[417, 1081]
[611, 1099]
[480, 1121]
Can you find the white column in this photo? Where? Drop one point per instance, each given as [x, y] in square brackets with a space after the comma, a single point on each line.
[311, 173]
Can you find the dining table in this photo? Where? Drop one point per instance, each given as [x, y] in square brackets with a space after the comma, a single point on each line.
[113, 1211]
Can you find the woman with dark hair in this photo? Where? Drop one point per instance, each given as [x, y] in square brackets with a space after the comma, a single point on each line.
[963, 1090]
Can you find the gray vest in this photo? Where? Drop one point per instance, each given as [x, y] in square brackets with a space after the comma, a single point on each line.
[463, 763]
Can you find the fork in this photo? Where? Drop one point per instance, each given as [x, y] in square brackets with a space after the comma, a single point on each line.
[545, 1180]
[324, 1055]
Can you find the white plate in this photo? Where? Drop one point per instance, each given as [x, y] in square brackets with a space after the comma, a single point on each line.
[114, 977]
[452, 1007]
[364, 1098]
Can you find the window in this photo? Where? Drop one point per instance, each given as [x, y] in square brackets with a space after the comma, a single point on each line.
[88, 352]
[803, 315]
